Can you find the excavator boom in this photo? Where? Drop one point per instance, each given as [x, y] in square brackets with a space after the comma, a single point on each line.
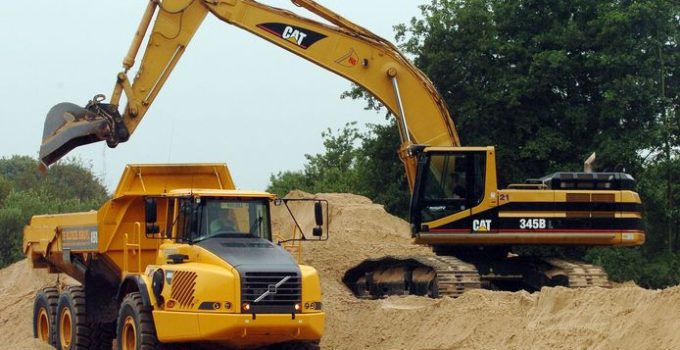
[341, 47]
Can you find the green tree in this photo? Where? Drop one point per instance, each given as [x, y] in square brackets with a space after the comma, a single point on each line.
[67, 179]
[550, 81]
[5, 188]
[68, 187]
[362, 163]
[334, 170]
[286, 181]
[381, 175]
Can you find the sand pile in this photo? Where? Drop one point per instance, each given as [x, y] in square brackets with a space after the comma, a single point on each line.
[359, 229]
[626, 317]
[18, 285]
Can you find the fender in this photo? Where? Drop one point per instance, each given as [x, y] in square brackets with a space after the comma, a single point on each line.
[134, 283]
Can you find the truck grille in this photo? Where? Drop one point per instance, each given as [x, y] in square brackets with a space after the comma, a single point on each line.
[259, 289]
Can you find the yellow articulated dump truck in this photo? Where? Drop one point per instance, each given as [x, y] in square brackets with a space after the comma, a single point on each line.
[178, 255]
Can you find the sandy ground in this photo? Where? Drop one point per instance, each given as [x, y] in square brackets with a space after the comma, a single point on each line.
[625, 317]
[18, 284]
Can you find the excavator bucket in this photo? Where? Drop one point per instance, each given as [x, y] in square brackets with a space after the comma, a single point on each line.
[68, 126]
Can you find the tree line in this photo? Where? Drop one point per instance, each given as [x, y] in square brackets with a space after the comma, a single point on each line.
[24, 192]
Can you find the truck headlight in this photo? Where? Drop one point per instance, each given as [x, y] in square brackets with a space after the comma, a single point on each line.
[157, 285]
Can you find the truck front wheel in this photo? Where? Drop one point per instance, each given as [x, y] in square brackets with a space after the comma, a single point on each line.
[135, 328]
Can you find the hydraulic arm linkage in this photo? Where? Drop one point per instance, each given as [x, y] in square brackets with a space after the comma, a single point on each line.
[342, 47]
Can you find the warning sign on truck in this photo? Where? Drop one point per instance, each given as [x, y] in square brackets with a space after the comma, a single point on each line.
[80, 238]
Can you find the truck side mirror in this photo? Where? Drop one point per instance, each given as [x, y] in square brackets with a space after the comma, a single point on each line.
[151, 215]
[318, 213]
[318, 217]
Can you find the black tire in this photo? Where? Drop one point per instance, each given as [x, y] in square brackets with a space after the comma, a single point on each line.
[73, 332]
[295, 345]
[44, 315]
[102, 335]
[135, 329]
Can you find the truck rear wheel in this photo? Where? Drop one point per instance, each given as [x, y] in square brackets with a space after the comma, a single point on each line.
[135, 328]
[73, 332]
[44, 315]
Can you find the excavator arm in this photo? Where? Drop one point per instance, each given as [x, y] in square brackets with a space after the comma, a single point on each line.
[342, 47]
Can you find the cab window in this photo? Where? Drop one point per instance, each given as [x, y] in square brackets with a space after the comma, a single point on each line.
[451, 183]
[207, 217]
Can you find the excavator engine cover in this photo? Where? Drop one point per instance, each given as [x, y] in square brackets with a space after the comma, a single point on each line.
[68, 126]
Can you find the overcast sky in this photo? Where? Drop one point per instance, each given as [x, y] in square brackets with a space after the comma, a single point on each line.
[233, 97]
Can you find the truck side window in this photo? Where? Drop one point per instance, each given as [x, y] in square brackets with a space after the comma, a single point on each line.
[169, 218]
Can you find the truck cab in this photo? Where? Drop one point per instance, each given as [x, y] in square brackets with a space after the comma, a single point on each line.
[223, 239]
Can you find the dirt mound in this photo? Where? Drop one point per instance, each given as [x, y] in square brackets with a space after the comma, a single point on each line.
[625, 317]
[18, 284]
[359, 229]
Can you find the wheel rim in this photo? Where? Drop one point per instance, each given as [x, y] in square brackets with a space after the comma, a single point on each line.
[65, 328]
[129, 340]
[43, 326]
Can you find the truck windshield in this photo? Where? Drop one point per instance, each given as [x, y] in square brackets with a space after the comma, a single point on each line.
[208, 217]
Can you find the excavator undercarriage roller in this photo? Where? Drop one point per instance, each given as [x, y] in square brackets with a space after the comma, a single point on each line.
[68, 126]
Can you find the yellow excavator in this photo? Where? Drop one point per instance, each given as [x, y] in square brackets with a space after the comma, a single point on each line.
[456, 205]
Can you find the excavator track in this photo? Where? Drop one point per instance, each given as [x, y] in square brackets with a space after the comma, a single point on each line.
[448, 275]
[534, 273]
[579, 274]
[453, 276]
[433, 276]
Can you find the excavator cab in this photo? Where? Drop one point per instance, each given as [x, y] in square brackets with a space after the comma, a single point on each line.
[450, 182]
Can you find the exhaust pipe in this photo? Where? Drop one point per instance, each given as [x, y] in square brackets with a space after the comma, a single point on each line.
[589, 163]
[68, 126]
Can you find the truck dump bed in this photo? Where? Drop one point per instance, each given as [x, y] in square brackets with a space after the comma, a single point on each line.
[68, 243]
